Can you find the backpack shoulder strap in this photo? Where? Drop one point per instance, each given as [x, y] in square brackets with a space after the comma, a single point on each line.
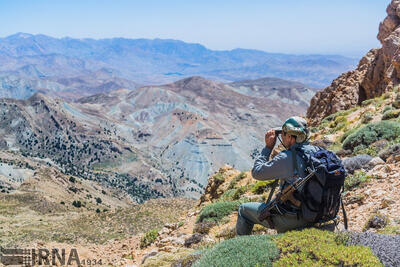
[295, 166]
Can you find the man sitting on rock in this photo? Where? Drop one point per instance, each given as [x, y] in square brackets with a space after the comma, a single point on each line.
[282, 166]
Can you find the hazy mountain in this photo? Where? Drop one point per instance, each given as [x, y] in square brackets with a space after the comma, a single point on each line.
[24, 82]
[159, 61]
[274, 88]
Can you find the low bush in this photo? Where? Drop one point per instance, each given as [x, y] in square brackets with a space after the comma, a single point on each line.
[256, 250]
[236, 179]
[390, 230]
[227, 195]
[203, 227]
[179, 257]
[367, 102]
[215, 212]
[391, 114]
[362, 149]
[372, 132]
[227, 233]
[356, 180]
[367, 117]
[387, 108]
[347, 133]
[148, 238]
[260, 186]
[219, 177]
[239, 192]
[77, 203]
[313, 247]
[377, 221]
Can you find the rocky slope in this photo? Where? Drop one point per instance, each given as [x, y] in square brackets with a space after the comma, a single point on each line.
[377, 72]
[193, 126]
[170, 137]
[51, 130]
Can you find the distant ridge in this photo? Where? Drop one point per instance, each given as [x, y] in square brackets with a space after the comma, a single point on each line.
[159, 61]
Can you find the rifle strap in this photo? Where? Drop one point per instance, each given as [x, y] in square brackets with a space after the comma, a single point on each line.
[344, 213]
[273, 186]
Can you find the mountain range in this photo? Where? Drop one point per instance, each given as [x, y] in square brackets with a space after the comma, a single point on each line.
[73, 68]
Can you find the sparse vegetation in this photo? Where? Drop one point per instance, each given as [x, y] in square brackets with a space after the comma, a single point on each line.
[387, 108]
[313, 247]
[372, 132]
[391, 114]
[219, 177]
[260, 186]
[257, 250]
[77, 203]
[215, 212]
[148, 238]
[236, 179]
[367, 117]
[356, 180]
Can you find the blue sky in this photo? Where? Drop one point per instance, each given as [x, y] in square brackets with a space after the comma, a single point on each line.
[287, 26]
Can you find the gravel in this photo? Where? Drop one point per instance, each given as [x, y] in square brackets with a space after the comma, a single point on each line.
[385, 247]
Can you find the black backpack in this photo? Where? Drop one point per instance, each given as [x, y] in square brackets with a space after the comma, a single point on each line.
[321, 195]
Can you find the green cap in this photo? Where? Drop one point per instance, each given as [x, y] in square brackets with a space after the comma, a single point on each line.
[296, 126]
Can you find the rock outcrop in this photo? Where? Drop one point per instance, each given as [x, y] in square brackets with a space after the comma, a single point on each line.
[377, 72]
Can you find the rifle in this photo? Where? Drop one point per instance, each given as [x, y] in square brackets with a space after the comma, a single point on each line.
[285, 195]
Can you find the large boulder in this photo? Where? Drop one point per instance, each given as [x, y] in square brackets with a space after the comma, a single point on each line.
[356, 163]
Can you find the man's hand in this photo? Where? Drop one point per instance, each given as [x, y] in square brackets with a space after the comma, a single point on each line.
[270, 139]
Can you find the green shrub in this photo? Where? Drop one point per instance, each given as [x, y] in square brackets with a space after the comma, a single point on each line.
[391, 114]
[218, 177]
[347, 133]
[372, 132]
[390, 230]
[256, 250]
[329, 118]
[148, 238]
[215, 212]
[367, 117]
[179, 257]
[72, 179]
[377, 221]
[77, 203]
[339, 122]
[369, 150]
[236, 179]
[387, 108]
[313, 247]
[260, 186]
[239, 192]
[355, 180]
[367, 102]
[98, 200]
[227, 195]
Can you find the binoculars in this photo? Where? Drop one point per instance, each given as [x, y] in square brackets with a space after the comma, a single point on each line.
[278, 130]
